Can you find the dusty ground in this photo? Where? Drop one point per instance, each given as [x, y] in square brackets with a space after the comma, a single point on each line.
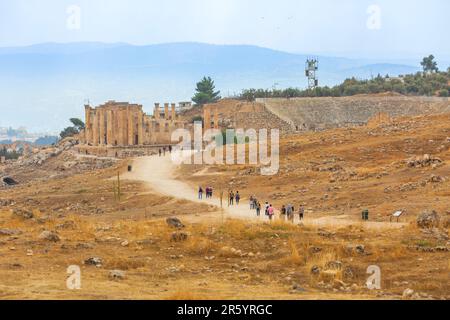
[230, 254]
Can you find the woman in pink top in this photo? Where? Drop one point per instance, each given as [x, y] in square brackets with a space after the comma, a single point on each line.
[271, 212]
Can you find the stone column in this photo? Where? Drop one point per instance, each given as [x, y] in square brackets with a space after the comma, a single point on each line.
[130, 116]
[121, 127]
[174, 112]
[156, 112]
[87, 125]
[166, 111]
[109, 127]
[140, 128]
[102, 131]
[95, 128]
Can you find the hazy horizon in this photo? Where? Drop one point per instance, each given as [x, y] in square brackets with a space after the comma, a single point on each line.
[371, 33]
[363, 28]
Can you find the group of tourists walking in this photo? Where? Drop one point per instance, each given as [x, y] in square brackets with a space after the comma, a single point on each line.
[233, 198]
[269, 210]
[208, 192]
[287, 212]
[162, 151]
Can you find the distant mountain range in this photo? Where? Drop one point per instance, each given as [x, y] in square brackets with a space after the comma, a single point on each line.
[44, 85]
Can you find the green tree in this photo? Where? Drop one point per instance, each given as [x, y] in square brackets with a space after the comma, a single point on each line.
[205, 92]
[429, 65]
[68, 132]
[77, 123]
[443, 93]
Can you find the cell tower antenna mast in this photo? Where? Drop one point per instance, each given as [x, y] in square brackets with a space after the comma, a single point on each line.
[311, 67]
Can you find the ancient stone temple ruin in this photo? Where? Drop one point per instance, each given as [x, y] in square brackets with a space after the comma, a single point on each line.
[121, 125]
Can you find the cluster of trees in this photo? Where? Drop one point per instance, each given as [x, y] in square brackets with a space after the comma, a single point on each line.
[77, 126]
[13, 155]
[427, 83]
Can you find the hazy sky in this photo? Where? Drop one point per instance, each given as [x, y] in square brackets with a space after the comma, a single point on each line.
[364, 28]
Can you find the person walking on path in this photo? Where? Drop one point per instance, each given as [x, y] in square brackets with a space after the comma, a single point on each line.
[266, 208]
[210, 192]
[283, 212]
[301, 212]
[200, 192]
[258, 209]
[290, 212]
[160, 152]
[237, 197]
[230, 198]
[251, 203]
[271, 212]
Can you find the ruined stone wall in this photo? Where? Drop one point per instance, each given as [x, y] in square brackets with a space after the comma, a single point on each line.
[330, 112]
[229, 113]
[123, 124]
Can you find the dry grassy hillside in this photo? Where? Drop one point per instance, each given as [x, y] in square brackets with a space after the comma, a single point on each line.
[125, 249]
[343, 171]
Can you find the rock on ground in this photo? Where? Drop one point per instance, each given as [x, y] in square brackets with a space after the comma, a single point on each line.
[428, 219]
[49, 236]
[24, 214]
[179, 236]
[93, 261]
[174, 222]
[116, 275]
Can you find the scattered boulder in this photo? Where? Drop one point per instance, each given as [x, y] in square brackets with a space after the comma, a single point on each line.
[84, 245]
[49, 236]
[435, 179]
[296, 288]
[9, 232]
[6, 202]
[179, 236]
[315, 250]
[425, 161]
[428, 219]
[315, 270]
[66, 225]
[175, 223]
[348, 273]
[408, 293]
[9, 181]
[359, 249]
[333, 265]
[325, 233]
[24, 214]
[339, 284]
[93, 261]
[116, 275]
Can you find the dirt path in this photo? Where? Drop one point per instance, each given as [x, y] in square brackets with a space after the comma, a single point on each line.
[158, 173]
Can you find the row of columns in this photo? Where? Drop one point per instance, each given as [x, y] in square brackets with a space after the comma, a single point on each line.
[167, 116]
[114, 127]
